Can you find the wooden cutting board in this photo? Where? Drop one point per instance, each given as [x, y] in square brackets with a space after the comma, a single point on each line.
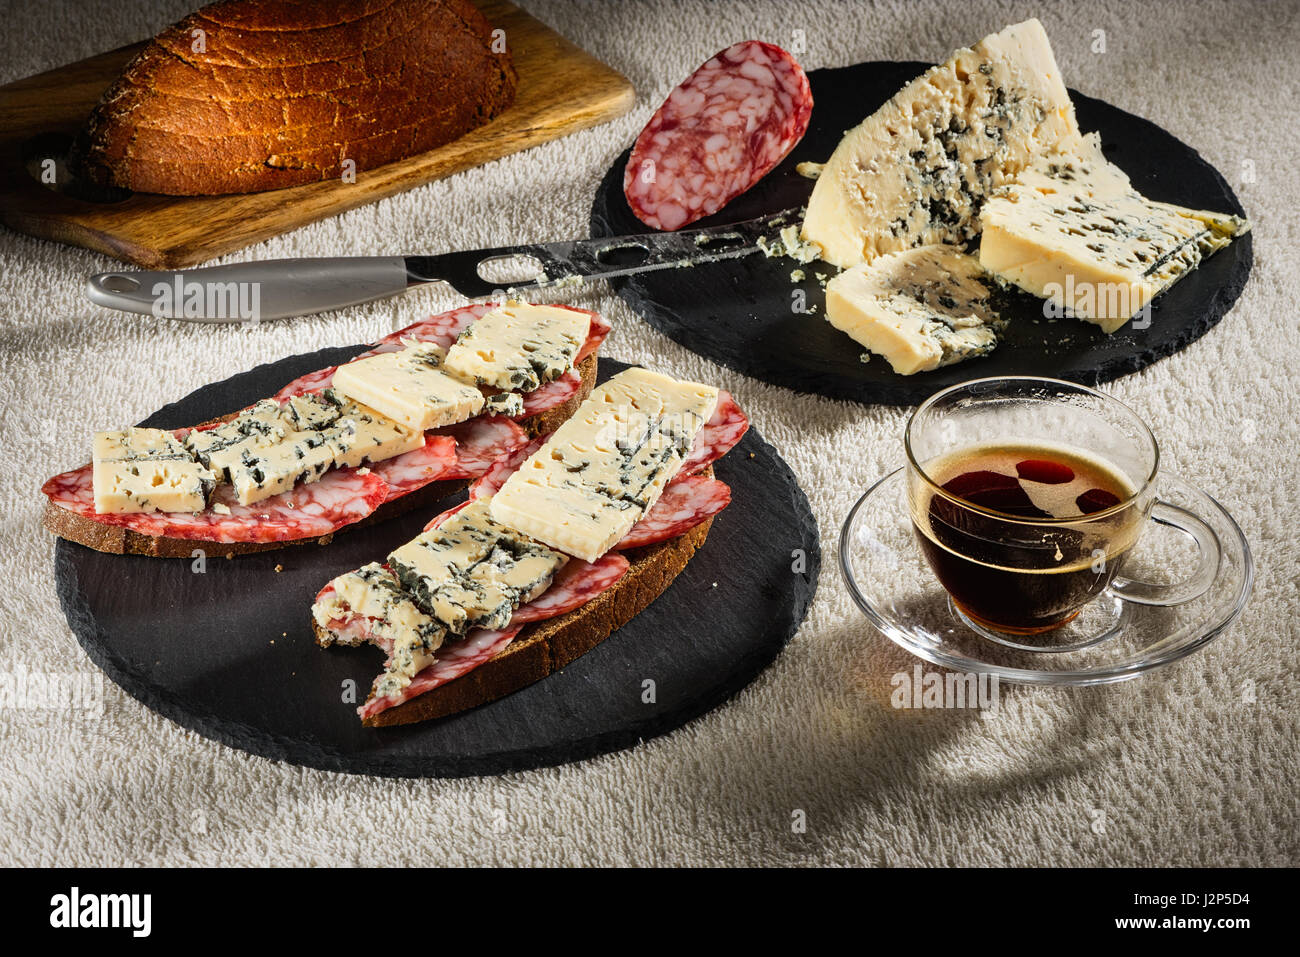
[561, 89]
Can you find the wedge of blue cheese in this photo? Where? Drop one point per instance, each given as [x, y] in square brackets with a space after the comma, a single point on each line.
[920, 309]
[409, 387]
[147, 470]
[518, 346]
[1073, 230]
[472, 571]
[917, 171]
[604, 468]
[396, 623]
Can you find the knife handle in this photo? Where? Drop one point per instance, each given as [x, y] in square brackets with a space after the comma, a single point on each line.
[250, 292]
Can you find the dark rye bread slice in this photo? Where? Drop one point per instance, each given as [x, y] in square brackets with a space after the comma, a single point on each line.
[285, 93]
[547, 646]
[124, 541]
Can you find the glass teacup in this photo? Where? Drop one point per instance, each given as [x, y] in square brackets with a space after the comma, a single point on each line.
[1026, 496]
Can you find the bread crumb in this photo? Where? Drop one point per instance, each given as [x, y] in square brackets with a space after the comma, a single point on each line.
[279, 568]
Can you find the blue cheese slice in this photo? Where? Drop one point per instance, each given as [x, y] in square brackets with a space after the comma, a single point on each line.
[607, 465]
[916, 171]
[312, 411]
[145, 485]
[259, 426]
[361, 434]
[396, 623]
[518, 346]
[1073, 230]
[409, 387]
[262, 472]
[509, 404]
[921, 309]
[471, 571]
[147, 470]
[136, 443]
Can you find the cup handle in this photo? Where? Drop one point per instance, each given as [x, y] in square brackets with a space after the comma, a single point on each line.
[1207, 570]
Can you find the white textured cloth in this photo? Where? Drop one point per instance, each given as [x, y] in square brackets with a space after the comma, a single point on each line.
[1178, 767]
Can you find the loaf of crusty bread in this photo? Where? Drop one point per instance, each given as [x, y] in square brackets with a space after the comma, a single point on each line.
[250, 95]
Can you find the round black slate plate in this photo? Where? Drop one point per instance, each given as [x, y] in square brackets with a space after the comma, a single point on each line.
[228, 652]
[740, 312]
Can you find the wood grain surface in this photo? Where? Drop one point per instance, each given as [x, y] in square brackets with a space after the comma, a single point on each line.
[561, 90]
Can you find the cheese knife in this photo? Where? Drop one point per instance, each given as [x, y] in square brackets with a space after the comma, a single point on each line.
[280, 288]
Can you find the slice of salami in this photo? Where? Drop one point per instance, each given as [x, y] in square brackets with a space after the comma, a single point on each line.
[577, 583]
[441, 329]
[719, 133]
[415, 469]
[453, 660]
[596, 334]
[341, 497]
[480, 442]
[311, 382]
[725, 428]
[552, 394]
[686, 502]
[491, 481]
[73, 490]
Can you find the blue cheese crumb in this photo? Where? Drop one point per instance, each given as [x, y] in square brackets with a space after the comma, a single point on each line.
[789, 244]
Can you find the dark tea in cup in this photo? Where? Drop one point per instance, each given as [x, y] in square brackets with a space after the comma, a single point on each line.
[1023, 535]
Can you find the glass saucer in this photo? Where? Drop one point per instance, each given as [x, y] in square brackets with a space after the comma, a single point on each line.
[1110, 640]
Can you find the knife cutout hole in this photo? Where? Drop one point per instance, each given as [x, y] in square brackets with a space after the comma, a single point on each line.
[119, 284]
[622, 255]
[504, 270]
[720, 243]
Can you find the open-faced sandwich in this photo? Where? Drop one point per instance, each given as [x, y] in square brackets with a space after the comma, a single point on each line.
[413, 419]
[559, 544]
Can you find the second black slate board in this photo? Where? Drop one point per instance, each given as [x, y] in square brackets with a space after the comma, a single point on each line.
[740, 313]
[228, 651]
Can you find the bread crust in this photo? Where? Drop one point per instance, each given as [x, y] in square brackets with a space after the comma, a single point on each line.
[117, 540]
[282, 94]
[545, 647]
